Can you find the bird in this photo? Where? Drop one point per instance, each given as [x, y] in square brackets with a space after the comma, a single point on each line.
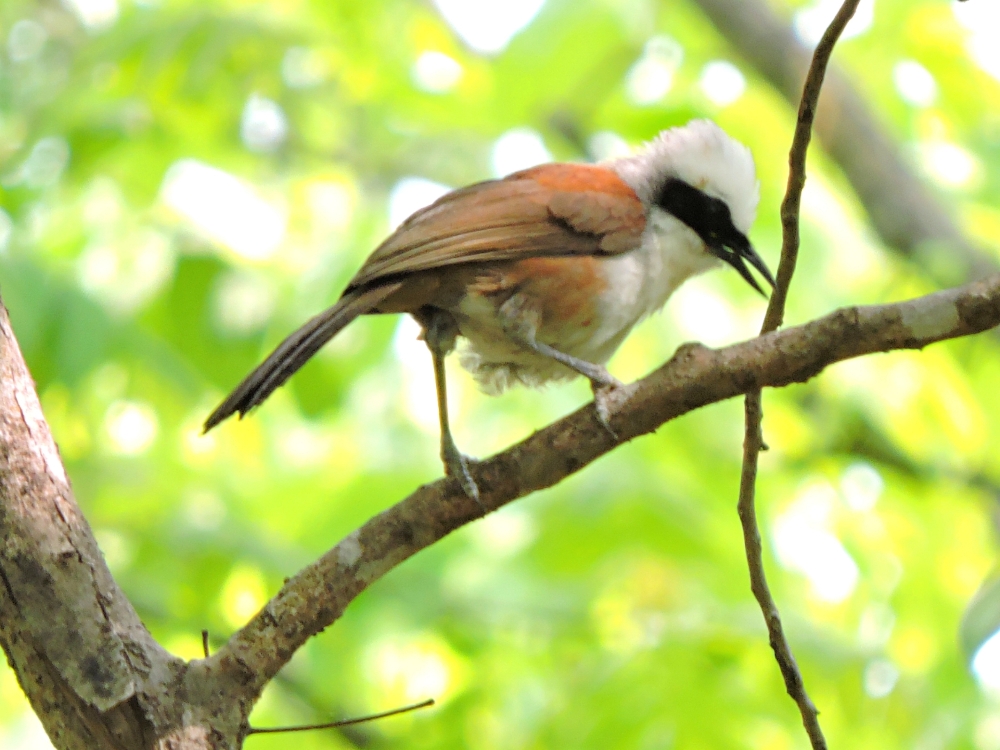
[544, 272]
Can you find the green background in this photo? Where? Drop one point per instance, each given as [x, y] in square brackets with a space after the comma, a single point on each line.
[612, 611]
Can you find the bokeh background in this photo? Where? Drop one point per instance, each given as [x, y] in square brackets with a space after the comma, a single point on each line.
[184, 182]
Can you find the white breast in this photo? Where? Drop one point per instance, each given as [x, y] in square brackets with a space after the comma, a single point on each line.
[640, 282]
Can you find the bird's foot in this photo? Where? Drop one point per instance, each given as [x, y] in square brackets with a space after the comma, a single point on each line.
[608, 394]
[456, 465]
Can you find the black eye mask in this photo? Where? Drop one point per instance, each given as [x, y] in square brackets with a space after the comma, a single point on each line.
[712, 221]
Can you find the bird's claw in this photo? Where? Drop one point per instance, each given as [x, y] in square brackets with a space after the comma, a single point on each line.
[608, 392]
[456, 465]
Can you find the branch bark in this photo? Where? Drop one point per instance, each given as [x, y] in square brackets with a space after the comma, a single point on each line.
[694, 377]
[63, 622]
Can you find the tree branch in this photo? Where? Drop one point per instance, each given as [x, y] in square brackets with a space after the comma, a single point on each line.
[695, 376]
[49, 566]
[64, 624]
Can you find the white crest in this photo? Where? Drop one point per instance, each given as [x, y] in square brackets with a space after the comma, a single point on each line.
[702, 155]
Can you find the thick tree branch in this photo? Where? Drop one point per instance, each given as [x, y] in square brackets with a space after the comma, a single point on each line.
[694, 377]
[905, 213]
[64, 624]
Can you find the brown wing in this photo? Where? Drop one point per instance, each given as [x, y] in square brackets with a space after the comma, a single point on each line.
[551, 210]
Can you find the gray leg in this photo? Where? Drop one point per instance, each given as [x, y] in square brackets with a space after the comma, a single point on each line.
[519, 325]
[440, 331]
[604, 402]
[598, 375]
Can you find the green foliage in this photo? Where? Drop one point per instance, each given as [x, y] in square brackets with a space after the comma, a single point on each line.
[610, 611]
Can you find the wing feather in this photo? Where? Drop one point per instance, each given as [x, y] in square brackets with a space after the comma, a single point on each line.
[547, 211]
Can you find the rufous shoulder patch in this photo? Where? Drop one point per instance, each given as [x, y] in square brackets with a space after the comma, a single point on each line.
[577, 178]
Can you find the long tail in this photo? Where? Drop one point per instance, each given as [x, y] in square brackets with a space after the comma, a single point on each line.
[296, 350]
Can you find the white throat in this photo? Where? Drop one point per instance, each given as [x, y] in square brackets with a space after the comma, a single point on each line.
[705, 157]
[641, 281]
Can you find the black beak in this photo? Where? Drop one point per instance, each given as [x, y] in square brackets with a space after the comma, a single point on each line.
[735, 249]
[710, 218]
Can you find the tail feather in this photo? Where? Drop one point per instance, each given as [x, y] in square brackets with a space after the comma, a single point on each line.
[296, 350]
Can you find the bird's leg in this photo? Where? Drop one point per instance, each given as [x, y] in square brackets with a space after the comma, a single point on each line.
[598, 375]
[440, 332]
[521, 325]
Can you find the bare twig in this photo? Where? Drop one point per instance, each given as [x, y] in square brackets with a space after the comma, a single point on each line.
[753, 441]
[906, 213]
[344, 722]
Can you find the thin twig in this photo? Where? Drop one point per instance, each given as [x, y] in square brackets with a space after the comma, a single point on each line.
[344, 722]
[903, 210]
[754, 441]
[791, 205]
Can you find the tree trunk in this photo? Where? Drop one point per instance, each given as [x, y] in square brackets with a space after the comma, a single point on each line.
[94, 675]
